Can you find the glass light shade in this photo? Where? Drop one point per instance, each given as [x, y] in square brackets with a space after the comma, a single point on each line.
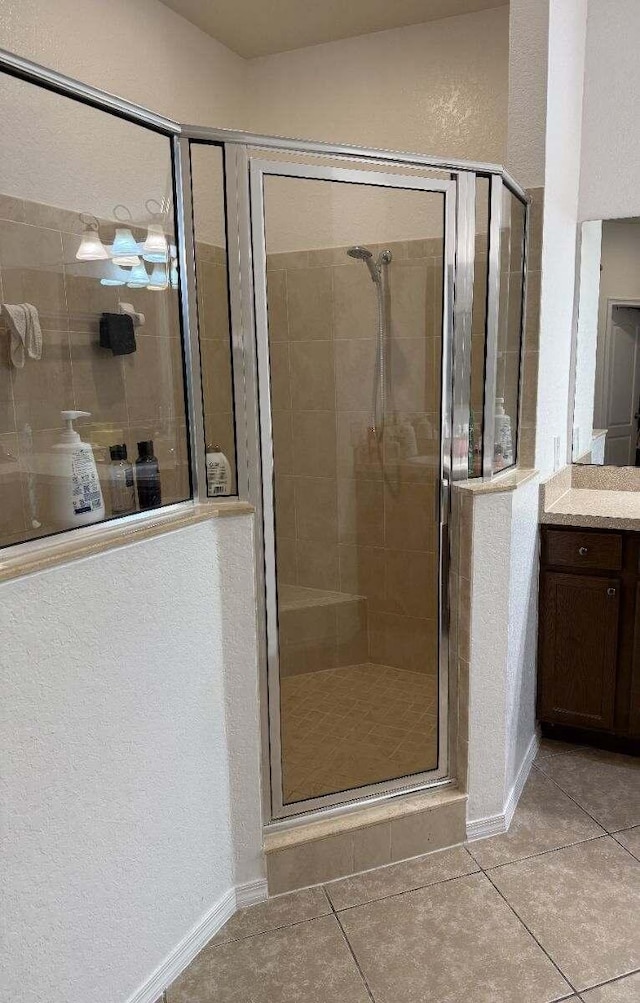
[91, 247]
[158, 278]
[127, 260]
[114, 276]
[138, 277]
[124, 246]
[174, 276]
[155, 247]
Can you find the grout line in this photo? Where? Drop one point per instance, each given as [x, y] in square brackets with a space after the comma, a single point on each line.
[407, 891]
[632, 855]
[541, 853]
[571, 797]
[352, 953]
[530, 932]
[611, 982]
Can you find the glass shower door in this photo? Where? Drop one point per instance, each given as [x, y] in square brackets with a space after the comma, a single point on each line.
[353, 273]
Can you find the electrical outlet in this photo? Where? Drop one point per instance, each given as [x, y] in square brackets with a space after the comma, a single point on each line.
[556, 452]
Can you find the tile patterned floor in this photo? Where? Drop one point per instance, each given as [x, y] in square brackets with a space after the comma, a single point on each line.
[549, 911]
[355, 725]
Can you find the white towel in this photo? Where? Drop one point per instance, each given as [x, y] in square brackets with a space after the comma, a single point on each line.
[24, 325]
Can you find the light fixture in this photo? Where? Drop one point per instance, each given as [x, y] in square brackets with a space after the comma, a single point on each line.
[91, 247]
[158, 279]
[138, 277]
[155, 248]
[173, 276]
[124, 250]
[115, 276]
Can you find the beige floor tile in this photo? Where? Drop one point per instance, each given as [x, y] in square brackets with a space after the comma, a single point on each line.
[553, 747]
[630, 838]
[545, 819]
[274, 913]
[605, 784]
[454, 942]
[621, 991]
[308, 963]
[403, 877]
[582, 904]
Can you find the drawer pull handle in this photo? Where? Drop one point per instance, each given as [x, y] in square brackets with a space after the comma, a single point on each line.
[583, 551]
[611, 593]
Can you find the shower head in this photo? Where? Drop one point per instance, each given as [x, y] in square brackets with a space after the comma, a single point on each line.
[364, 254]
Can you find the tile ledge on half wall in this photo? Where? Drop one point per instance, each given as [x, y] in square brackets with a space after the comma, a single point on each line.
[55, 551]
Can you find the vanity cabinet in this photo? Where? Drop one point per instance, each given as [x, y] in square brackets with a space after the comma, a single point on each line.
[589, 636]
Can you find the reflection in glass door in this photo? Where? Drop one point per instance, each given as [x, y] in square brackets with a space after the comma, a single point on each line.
[353, 301]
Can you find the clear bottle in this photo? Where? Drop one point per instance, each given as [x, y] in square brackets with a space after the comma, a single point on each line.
[148, 476]
[122, 489]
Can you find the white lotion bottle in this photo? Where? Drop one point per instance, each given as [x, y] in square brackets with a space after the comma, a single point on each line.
[218, 473]
[76, 495]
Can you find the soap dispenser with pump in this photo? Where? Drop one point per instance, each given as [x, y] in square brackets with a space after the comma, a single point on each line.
[76, 495]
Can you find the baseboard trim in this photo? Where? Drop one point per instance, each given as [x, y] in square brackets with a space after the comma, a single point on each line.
[182, 955]
[494, 825]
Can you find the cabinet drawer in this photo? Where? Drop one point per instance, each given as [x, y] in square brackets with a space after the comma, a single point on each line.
[584, 550]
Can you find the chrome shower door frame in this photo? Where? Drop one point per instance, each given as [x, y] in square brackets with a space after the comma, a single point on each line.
[260, 168]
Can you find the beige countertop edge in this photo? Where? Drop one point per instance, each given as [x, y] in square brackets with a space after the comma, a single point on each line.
[361, 818]
[589, 520]
[56, 552]
[511, 480]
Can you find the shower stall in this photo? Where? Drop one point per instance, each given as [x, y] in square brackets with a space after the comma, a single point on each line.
[351, 329]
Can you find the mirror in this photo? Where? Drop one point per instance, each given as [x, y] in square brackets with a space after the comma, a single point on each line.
[606, 417]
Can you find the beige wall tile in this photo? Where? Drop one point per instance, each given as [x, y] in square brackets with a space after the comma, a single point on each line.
[314, 442]
[362, 573]
[312, 376]
[316, 509]
[217, 378]
[310, 863]
[355, 308]
[98, 380]
[317, 564]
[214, 320]
[372, 846]
[409, 516]
[351, 633]
[428, 830]
[403, 641]
[44, 386]
[282, 442]
[412, 583]
[309, 304]
[361, 511]
[285, 506]
[12, 513]
[286, 561]
[32, 271]
[355, 362]
[411, 292]
[12, 208]
[153, 379]
[277, 306]
[280, 376]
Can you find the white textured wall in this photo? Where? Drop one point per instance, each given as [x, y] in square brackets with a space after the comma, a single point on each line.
[587, 337]
[609, 185]
[437, 88]
[116, 758]
[567, 29]
[527, 116]
[489, 650]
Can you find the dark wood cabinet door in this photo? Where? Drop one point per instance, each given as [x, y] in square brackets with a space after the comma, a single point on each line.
[634, 712]
[578, 635]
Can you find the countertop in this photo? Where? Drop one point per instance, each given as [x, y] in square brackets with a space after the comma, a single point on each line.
[597, 508]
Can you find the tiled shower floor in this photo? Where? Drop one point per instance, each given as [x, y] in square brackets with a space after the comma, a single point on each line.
[355, 725]
[549, 911]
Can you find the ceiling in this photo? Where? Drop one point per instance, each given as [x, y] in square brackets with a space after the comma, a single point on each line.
[262, 27]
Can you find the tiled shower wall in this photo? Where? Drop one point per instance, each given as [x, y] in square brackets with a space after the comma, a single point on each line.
[133, 397]
[344, 522]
